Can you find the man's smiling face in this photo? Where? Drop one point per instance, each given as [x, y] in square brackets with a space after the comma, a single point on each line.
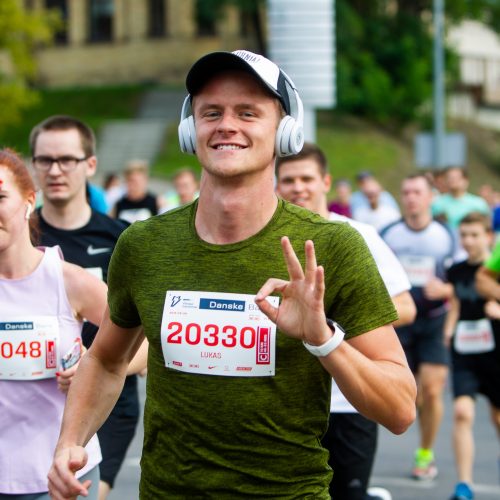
[236, 121]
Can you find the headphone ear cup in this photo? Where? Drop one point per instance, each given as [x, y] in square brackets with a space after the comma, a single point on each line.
[283, 136]
[187, 135]
[296, 141]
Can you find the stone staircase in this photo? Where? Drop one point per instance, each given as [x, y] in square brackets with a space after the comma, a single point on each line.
[123, 140]
[142, 137]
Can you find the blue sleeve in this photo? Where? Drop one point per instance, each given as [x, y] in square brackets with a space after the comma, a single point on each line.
[496, 218]
[97, 200]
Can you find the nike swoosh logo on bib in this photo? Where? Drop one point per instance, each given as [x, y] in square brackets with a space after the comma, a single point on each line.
[96, 251]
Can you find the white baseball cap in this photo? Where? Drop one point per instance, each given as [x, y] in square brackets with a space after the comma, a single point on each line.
[259, 66]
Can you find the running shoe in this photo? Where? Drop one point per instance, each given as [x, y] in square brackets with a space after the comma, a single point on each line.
[424, 466]
[377, 493]
[462, 492]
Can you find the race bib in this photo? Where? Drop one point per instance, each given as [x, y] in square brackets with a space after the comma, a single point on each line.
[474, 337]
[29, 347]
[218, 334]
[135, 214]
[420, 269]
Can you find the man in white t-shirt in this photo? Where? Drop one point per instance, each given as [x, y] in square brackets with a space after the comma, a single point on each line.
[376, 213]
[426, 248]
[304, 180]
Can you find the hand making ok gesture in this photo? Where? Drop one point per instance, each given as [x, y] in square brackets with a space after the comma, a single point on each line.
[301, 313]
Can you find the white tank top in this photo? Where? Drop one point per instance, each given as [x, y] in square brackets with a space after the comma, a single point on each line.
[31, 410]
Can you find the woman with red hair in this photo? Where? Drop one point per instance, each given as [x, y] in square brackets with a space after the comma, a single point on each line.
[43, 301]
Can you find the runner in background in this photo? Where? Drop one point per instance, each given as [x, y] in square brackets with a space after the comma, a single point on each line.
[453, 205]
[42, 303]
[63, 158]
[425, 248]
[351, 439]
[137, 203]
[474, 340]
[185, 189]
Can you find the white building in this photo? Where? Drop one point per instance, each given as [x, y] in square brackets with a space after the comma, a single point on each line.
[478, 47]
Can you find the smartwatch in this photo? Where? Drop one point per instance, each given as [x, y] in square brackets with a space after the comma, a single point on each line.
[331, 344]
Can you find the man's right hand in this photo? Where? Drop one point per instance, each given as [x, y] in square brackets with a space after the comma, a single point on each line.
[63, 484]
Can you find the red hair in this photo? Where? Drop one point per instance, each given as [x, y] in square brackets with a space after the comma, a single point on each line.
[13, 162]
[23, 180]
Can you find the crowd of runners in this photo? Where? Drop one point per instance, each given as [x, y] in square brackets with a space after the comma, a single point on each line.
[276, 328]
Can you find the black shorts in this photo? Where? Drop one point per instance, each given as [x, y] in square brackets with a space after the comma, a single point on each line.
[476, 373]
[118, 430]
[423, 342]
[352, 442]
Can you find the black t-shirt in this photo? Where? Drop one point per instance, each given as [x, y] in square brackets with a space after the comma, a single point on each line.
[91, 246]
[462, 276]
[132, 211]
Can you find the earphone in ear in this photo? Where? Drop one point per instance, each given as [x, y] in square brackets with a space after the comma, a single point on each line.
[289, 135]
[28, 212]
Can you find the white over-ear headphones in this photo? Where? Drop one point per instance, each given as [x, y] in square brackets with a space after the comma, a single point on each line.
[289, 136]
[186, 129]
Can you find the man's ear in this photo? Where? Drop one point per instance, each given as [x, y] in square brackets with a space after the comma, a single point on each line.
[91, 166]
[327, 179]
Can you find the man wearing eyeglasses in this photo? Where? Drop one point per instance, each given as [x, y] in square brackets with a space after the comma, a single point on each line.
[63, 159]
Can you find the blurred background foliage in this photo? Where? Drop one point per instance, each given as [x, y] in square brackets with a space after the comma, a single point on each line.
[20, 32]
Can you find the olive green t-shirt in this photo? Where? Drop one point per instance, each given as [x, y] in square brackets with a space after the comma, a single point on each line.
[210, 436]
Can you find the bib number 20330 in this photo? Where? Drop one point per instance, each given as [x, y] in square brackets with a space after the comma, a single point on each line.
[213, 335]
[217, 334]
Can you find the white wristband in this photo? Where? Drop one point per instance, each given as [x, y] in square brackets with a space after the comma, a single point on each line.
[331, 344]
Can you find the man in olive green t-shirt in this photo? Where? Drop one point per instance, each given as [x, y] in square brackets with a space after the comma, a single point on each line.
[239, 368]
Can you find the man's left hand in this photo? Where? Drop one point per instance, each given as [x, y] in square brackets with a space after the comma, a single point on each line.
[301, 312]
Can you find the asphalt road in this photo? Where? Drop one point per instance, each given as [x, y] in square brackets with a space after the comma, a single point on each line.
[393, 462]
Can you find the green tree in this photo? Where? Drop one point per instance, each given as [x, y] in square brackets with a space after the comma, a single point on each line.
[384, 62]
[209, 11]
[384, 54]
[20, 32]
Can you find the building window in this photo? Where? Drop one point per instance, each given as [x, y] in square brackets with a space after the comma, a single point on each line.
[61, 36]
[206, 13]
[156, 18]
[101, 20]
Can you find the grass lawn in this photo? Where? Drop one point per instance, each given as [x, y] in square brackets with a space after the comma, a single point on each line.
[93, 105]
[171, 158]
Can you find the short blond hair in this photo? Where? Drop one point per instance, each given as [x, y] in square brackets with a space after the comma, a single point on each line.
[136, 165]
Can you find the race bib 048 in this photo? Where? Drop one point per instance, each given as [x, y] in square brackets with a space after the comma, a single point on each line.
[218, 334]
[29, 347]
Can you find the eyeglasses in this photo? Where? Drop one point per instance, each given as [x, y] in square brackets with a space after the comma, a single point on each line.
[65, 163]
